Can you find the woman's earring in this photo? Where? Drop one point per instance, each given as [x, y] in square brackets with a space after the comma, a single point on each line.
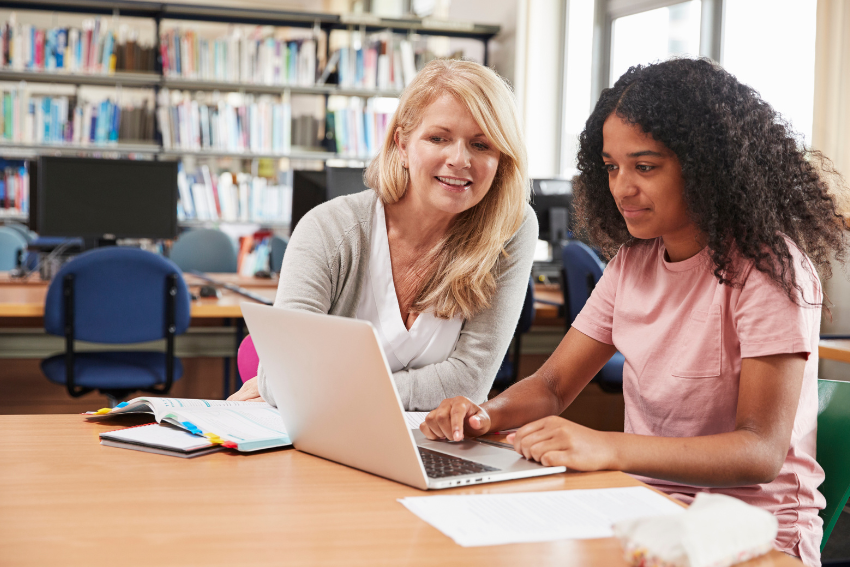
[404, 164]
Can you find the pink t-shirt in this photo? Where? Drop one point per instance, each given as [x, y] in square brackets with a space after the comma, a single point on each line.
[683, 336]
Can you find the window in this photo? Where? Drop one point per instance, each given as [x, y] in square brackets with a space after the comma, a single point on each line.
[654, 35]
[770, 45]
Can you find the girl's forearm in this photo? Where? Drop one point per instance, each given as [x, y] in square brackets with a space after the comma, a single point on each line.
[522, 403]
[738, 458]
[554, 386]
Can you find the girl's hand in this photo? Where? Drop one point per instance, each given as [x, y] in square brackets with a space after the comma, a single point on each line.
[250, 392]
[554, 441]
[455, 418]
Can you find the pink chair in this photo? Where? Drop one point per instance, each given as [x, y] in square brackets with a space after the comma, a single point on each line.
[247, 359]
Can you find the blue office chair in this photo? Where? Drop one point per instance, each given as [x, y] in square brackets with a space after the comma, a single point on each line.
[582, 269]
[12, 247]
[204, 250]
[22, 229]
[116, 296]
[278, 249]
[509, 370]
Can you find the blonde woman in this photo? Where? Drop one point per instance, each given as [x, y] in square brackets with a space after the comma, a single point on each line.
[437, 256]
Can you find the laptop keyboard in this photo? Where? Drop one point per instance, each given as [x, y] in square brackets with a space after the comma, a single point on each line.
[440, 465]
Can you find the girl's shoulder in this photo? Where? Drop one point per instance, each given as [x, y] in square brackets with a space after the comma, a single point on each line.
[805, 275]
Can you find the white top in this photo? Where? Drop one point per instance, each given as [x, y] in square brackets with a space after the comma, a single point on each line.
[430, 340]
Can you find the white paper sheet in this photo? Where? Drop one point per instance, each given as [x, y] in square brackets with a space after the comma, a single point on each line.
[414, 418]
[495, 519]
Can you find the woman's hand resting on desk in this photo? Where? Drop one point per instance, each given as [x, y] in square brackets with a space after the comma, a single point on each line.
[249, 392]
[554, 441]
[455, 418]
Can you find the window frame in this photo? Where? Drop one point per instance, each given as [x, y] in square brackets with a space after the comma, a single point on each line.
[606, 11]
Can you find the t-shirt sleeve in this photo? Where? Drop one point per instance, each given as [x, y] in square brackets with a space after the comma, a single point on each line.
[768, 322]
[596, 319]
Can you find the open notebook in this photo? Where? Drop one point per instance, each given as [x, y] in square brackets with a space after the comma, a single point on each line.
[244, 426]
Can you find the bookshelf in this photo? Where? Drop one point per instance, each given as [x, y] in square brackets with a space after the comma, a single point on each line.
[202, 83]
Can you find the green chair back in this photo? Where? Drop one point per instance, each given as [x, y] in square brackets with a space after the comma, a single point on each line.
[833, 449]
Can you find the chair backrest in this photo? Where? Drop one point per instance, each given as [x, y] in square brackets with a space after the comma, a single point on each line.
[22, 229]
[119, 297]
[11, 243]
[247, 359]
[833, 449]
[582, 269]
[278, 249]
[205, 250]
[526, 316]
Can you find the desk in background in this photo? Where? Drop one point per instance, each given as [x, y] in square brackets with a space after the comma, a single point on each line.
[69, 501]
[26, 299]
[22, 304]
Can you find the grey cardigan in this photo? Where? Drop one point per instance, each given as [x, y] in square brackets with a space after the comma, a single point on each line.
[323, 271]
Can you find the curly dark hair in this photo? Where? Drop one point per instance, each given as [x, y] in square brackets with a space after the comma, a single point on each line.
[747, 181]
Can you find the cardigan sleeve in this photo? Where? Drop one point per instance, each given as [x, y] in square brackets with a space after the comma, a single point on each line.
[471, 368]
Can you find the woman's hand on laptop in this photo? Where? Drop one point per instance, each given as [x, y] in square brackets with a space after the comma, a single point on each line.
[249, 392]
[454, 418]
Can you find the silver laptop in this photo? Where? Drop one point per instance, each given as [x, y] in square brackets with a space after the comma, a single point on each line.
[338, 400]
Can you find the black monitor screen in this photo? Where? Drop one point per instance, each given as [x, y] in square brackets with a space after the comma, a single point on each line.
[312, 188]
[106, 198]
[552, 201]
[345, 181]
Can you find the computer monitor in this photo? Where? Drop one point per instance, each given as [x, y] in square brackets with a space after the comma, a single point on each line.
[312, 188]
[105, 199]
[552, 201]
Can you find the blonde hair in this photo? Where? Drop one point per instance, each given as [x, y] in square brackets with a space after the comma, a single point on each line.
[460, 276]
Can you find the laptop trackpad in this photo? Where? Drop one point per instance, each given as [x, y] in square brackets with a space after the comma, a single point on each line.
[501, 458]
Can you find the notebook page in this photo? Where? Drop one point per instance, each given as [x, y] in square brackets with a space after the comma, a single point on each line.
[161, 406]
[414, 418]
[159, 436]
[495, 519]
[253, 425]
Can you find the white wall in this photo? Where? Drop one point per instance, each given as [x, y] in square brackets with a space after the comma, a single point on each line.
[540, 48]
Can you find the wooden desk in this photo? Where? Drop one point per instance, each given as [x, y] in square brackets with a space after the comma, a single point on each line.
[551, 294]
[833, 349]
[26, 299]
[69, 501]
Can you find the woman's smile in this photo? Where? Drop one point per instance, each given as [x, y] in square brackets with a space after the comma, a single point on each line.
[454, 184]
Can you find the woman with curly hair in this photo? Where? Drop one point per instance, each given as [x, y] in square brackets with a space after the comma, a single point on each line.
[718, 222]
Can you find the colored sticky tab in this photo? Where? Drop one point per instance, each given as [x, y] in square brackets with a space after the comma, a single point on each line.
[193, 429]
[214, 438]
[102, 411]
[230, 445]
[121, 405]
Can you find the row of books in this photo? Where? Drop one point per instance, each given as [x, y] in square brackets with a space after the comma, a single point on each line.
[256, 57]
[94, 48]
[232, 197]
[385, 64]
[15, 191]
[233, 124]
[358, 127]
[33, 119]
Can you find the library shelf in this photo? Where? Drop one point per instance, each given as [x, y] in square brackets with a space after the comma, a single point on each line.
[270, 224]
[179, 83]
[118, 78]
[5, 215]
[211, 152]
[73, 149]
[148, 80]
